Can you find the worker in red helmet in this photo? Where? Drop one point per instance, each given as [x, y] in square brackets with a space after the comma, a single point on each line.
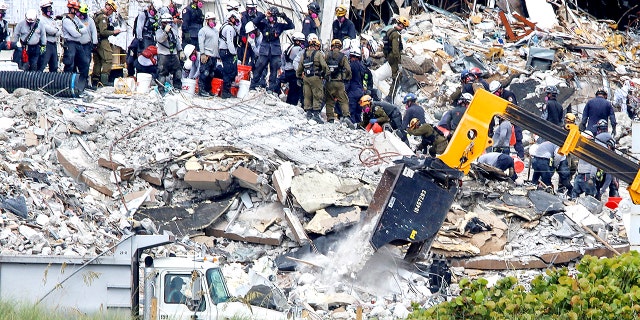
[472, 80]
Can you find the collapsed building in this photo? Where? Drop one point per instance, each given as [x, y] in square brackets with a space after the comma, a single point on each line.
[252, 181]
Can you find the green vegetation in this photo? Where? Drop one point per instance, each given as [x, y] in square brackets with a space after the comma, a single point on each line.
[10, 310]
[603, 289]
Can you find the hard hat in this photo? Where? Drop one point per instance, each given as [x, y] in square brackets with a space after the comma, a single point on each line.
[249, 27]
[210, 15]
[297, 36]
[312, 36]
[232, 14]
[570, 117]
[414, 123]
[336, 43]
[31, 15]
[466, 75]
[251, 4]
[73, 4]
[314, 7]
[187, 64]
[46, 3]
[551, 89]
[410, 97]
[341, 10]
[518, 165]
[355, 52]
[84, 8]
[602, 124]
[274, 11]
[232, 5]
[476, 71]
[365, 100]
[112, 4]
[466, 97]
[376, 128]
[587, 134]
[494, 86]
[4, 6]
[166, 17]
[314, 42]
[403, 21]
[188, 49]
[157, 4]
[601, 92]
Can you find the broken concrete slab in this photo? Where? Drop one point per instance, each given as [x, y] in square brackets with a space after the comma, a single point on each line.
[281, 179]
[153, 178]
[251, 225]
[78, 166]
[208, 180]
[545, 203]
[314, 190]
[247, 178]
[333, 218]
[296, 227]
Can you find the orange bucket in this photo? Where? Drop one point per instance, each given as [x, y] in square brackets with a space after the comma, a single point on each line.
[216, 86]
[518, 165]
[244, 73]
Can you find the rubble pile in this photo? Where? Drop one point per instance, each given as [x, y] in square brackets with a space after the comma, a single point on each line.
[256, 183]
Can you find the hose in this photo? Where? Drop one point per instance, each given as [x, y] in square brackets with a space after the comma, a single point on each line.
[66, 85]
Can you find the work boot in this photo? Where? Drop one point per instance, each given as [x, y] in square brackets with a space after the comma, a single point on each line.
[226, 95]
[331, 120]
[204, 93]
[316, 117]
[104, 78]
[348, 122]
[309, 114]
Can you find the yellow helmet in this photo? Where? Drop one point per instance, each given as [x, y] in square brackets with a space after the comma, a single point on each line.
[341, 10]
[570, 118]
[336, 43]
[314, 42]
[365, 100]
[84, 8]
[112, 4]
[414, 123]
[403, 21]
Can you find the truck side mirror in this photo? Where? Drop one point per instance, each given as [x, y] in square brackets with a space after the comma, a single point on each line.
[196, 292]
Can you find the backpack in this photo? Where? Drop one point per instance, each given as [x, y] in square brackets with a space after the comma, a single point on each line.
[333, 62]
[386, 49]
[237, 40]
[307, 63]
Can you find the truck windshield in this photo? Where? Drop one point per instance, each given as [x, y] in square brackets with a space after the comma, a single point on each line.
[217, 286]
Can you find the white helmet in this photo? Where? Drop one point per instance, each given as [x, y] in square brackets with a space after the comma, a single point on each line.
[355, 52]
[188, 50]
[249, 27]
[233, 14]
[4, 6]
[312, 36]
[209, 15]
[31, 15]
[365, 53]
[187, 64]
[157, 4]
[166, 17]
[494, 86]
[297, 36]
[251, 4]
[233, 5]
[46, 3]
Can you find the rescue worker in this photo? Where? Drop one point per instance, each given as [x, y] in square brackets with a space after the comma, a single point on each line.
[192, 20]
[254, 41]
[147, 24]
[383, 113]
[339, 71]
[596, 109]
[392, 52]
[53, 32]
[311, 21]
[413, 110]
[312, 69]
[103, 56]
[566, 165]
[552, 111]
[502, 136]
[289, 68]
[208, 37]
[433, 141]
[270, 49]
[228, 52]
[88, 40]
[355, 86]
[585, 175]
[191, 66]
[496, 88]
[72, 30]
[472, 80]
[342, 27]
[169, 51]
[30, 35]
[451, 118]
[5, 42]
[501, 161]
[604, 180]
[147, 62]
[542, 162]
[251, 13]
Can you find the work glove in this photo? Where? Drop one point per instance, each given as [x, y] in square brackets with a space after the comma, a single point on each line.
[235, 59]
[182, 56]
[167, 28]
[373, 120]
[43, 49]
[19, 44]
[204, 58]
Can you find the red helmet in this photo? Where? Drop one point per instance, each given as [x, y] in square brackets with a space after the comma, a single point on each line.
[476, 71]
[73, 4]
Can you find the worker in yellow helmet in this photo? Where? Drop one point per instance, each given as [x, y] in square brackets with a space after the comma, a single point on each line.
[103, 56]
[342, 27]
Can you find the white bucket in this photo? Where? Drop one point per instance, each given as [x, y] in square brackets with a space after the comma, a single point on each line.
[243, 88]
[175, 103]
[144, 82]
[189, 86]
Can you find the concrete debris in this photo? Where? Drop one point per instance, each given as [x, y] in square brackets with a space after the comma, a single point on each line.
[332, 219]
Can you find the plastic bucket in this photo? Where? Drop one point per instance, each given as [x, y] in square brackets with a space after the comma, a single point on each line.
[234, 91]
[189, 86]
[216, 86]
[518, 165]
[613, 202]
[144, 82]
[243, 88]
[244, 73]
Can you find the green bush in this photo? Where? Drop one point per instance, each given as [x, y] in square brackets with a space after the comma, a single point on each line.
[602, 289]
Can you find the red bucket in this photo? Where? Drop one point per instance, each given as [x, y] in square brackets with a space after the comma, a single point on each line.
[216, 86]
[234, 91]
[613, 202]
[244, 73]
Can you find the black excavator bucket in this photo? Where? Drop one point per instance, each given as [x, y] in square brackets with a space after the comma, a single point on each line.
[411, 204]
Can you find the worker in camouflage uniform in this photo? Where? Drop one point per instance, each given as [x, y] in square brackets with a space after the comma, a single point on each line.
[103, 56]
[392, 49]
[433, 141]
[311, 70]
[339, 72]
